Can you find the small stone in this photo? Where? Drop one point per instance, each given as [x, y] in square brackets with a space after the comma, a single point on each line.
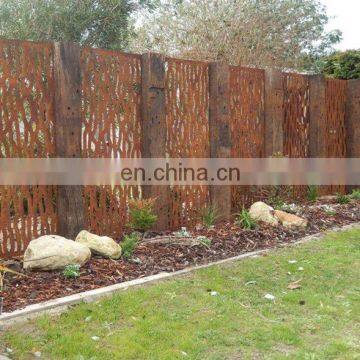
[269, 297]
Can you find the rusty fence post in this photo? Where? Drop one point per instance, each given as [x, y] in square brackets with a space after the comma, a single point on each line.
[220, 140]
[274, 112]
[154, 131]
[352, 121]
[70, 202]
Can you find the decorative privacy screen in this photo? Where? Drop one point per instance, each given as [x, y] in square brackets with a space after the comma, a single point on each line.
[26, 130]
[247, 109]
[111, 129]
[187, 121]
[111, 124]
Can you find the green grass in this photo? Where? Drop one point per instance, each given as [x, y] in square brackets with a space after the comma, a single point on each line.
[180, 319]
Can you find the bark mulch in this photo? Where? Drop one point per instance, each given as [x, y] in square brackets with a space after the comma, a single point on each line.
[227, 240]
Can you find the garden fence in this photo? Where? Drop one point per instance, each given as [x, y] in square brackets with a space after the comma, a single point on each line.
[60, 100]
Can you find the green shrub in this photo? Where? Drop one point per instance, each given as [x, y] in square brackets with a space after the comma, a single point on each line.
[129, 244]
[355, 194]
[342, 199]
[245, 221]
[312, 192]
[342, 65]
[209, 215]
[141, 214]
[204, 241]
[71, 271]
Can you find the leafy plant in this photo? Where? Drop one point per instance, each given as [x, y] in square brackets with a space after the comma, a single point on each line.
[289, 208]
[355, 194]
[209, 215]
[342, 199]
[204, 241]
[277, 202]
[141, 214]
[342, 65]
[182, 233]
[129, 244]
[245, 221]
[72, 271]
[312, 192]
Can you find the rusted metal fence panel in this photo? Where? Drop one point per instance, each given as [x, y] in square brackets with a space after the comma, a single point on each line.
[247, 108]
[26, 130]
[111, 105]
[187, 119]
[241, 112]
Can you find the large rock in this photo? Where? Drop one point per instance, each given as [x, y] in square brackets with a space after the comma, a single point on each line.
[101, 245]
[290, 220]
[52, 252]
[260, 211]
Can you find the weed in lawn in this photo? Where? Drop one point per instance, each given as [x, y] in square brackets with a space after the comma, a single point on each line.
[141, 214]
[209, 215]
[71, 271]
[355, 194]
[129, 244]
[245, 221]
[342, 199]
[312, 193]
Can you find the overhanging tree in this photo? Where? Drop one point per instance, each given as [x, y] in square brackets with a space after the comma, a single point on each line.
[96, 23]
[247, 32]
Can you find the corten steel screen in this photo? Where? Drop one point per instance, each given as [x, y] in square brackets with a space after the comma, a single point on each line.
[247, 124]
[111, 83]
[26, 130]
[111, 127]
[187, 122]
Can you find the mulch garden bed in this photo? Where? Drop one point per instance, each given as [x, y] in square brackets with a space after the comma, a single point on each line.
[227, 240]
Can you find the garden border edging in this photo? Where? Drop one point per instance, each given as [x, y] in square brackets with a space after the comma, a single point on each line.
[61, 304]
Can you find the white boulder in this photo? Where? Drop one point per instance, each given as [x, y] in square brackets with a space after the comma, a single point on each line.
[101, 245]
[52, 252]
[260, 211]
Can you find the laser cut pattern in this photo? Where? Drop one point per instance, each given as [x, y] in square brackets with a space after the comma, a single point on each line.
[335, 95]
[187, 121]
[296, 120]
[247, 124]
[111, 128]
[26, 131]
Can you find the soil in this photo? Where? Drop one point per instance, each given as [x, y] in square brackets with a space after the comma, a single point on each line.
[227, 240]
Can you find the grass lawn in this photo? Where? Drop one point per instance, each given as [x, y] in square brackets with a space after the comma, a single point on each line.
[183, 319]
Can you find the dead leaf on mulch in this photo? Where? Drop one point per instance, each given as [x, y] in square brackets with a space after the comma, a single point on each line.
[294, 285]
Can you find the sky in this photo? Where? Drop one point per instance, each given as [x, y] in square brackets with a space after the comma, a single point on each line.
[346, 18]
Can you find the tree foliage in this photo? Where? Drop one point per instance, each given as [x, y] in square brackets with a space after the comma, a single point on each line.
[96, 23]
[342, 65]
[248, 32]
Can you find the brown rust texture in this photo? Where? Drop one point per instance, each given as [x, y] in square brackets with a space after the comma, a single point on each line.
[111, 106]
[187, 120]
[26, 131]
[335, 134]
[247, 124]
[296, 121]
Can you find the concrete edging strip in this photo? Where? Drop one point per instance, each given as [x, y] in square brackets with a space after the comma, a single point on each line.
[61, 304]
